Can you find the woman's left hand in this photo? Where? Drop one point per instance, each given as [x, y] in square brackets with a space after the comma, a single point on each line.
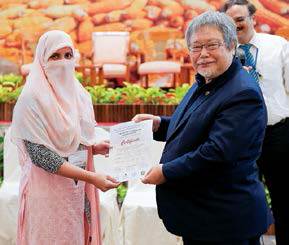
[101, 148]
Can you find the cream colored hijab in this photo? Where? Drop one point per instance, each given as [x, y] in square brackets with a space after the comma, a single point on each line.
[54, 109]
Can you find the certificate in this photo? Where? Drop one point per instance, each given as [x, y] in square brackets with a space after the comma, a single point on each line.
[131, 149]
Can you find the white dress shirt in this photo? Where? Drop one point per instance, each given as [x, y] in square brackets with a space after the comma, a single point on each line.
[271, 55]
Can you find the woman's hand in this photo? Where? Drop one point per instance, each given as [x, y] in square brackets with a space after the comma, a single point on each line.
[101, 148]
[103, 182]
[143, 117]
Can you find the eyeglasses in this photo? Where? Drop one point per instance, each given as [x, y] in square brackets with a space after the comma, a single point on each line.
[208, 46]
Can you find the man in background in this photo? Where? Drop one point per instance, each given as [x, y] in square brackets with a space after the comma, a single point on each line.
[267, 57]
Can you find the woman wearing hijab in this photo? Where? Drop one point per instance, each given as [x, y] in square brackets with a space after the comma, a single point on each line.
[53, 127]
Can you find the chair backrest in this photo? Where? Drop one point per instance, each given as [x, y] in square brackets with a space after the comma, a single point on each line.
[156, 42]
[110, 47]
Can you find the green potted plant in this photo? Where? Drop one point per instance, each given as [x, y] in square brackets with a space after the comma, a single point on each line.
[121, 104]
[110, 105]
[10, 89]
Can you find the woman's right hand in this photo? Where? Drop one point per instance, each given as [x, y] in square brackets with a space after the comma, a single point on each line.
[143, 117]
[104, 182]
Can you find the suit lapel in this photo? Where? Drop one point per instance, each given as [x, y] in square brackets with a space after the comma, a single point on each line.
[188, 113]
[179, 111]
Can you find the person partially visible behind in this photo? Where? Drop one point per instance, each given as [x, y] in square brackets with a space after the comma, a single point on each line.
[208, 190]
[268, 58]
[53, 127]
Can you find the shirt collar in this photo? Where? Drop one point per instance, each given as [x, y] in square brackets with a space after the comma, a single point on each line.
[227, 75]
[254, 40]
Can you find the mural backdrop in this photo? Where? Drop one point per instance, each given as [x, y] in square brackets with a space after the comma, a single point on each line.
[23, 21]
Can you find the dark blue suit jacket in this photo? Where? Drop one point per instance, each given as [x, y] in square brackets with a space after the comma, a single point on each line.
[212, 191]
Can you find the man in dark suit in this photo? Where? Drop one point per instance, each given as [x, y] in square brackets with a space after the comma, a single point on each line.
[208, 189]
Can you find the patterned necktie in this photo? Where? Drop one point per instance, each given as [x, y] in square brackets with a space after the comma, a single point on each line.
[250, 60]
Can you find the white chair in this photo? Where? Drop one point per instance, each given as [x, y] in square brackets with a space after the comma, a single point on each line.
[110, 51]
[156, 62]
[139, 218]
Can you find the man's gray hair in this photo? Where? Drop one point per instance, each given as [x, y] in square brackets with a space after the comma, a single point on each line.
[213, 18]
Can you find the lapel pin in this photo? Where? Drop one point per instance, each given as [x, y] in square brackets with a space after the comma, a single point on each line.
[207, 93]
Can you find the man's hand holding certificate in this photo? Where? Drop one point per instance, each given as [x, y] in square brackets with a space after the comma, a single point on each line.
[131, 149]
